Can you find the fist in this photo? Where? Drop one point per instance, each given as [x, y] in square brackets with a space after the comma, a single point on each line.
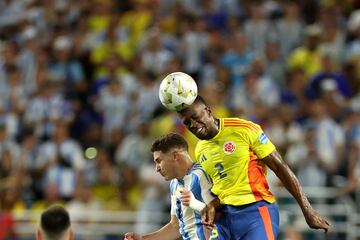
[186, 196]
[132, 236]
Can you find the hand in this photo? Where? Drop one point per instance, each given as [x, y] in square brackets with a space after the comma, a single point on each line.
[186, 197]
[316, 221]
[208, 216]
[132, 236]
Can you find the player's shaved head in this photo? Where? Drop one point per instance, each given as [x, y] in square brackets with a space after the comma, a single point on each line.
[168, 142]
[198, 100]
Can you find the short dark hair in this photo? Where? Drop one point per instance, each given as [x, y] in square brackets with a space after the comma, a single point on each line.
[54, 221]
[168, 142]
[198, 99]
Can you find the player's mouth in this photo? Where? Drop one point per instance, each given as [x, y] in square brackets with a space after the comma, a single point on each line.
[164, 175]
[200, 131]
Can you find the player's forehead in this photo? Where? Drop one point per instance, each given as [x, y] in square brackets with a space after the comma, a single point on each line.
[195, 108]
[159, 155]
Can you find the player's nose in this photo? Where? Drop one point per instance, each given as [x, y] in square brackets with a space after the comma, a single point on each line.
[192, 124]
[157, 167]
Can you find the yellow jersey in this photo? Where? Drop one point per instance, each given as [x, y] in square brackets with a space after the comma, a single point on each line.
[230, 159]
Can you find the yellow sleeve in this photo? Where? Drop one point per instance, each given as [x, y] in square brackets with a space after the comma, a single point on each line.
[260, 143]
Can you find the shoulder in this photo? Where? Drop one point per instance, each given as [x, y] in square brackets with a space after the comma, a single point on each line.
[199, 148]
[199, 173]
[241, 124]
[197, 170]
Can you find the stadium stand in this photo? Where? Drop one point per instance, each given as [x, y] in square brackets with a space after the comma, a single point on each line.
[79, 105]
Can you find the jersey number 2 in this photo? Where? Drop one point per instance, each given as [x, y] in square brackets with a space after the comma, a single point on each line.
[220, 169]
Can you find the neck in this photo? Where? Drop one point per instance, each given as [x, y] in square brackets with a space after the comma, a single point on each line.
[217, 125]
[186, 167]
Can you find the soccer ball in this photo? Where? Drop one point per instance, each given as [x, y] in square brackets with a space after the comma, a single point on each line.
[177, 91]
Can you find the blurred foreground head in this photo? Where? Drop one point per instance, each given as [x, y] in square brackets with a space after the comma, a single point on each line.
[54, 224]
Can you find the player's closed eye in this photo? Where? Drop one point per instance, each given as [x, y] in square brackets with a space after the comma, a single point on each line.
[186, 122]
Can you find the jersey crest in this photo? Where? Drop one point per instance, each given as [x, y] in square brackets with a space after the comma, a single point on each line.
[229, 147]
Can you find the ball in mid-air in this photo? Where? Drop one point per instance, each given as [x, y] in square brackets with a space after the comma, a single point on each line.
[177, 91]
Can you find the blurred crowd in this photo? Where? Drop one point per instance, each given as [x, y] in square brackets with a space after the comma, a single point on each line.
[79, 101]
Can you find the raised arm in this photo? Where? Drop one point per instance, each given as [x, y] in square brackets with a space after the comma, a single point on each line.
[289, 180]
[168, 232]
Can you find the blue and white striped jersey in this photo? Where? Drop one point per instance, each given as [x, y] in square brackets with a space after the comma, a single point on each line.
[198, 182]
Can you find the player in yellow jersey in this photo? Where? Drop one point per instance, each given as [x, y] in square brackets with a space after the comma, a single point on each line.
[235, 154]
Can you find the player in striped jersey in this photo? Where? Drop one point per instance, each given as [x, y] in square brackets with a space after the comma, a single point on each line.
[189, 188]
[234, 153]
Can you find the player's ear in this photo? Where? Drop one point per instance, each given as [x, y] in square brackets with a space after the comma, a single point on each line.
[176, 155]
[208, 110]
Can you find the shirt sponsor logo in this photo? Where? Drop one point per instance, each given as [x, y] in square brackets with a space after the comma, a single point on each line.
[263, 138]
[229, 147]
